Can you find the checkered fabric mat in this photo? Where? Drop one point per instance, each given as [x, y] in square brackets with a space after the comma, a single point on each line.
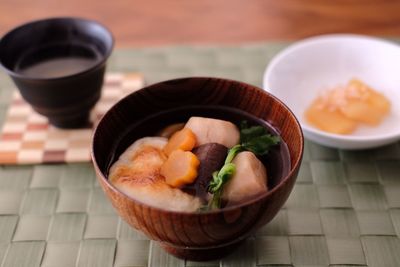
[28, 138]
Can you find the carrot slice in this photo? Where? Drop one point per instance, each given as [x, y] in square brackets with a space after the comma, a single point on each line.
[183, 140]
[180, 168]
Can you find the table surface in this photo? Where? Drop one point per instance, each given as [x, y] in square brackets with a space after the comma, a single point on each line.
[157, 22]
[344, 209]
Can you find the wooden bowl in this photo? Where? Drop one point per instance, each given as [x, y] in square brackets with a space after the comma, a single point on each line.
[196, 236]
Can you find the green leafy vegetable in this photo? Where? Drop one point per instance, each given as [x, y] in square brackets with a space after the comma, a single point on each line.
[232, 153]
[255, 139]
[219, 179]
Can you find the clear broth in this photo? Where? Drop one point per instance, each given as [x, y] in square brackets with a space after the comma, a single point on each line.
[277, 161]
[56, 61]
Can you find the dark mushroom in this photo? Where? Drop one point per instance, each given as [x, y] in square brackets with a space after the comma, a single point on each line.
[211, 157]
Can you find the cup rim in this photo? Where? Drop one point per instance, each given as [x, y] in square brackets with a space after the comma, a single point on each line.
[102, 60]
[285, 179]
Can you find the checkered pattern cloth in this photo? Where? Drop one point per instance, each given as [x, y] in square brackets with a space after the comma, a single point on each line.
[28, 138]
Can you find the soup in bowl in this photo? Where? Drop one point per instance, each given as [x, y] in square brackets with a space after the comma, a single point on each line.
[204, 212]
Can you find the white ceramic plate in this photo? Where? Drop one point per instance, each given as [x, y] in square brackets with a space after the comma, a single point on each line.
[299, 73]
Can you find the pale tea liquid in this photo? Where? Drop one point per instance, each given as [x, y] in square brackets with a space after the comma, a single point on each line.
[57, 61]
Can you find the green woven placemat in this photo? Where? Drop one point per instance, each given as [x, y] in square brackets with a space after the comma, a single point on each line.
[343, 211]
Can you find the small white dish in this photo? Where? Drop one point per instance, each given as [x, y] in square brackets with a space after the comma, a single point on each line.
[302, 71]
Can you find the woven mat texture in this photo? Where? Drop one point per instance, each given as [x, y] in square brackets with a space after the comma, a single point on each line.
[343, 211]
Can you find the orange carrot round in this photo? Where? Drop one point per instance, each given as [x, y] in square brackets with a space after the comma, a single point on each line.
[180, 168]
[183, 140]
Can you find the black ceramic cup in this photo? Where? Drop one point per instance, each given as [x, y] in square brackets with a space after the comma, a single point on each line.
[58, 65]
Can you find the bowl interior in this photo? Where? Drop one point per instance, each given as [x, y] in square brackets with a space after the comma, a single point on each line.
[146, 111]
[44, 39]
[277, 160]
[306, 69]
